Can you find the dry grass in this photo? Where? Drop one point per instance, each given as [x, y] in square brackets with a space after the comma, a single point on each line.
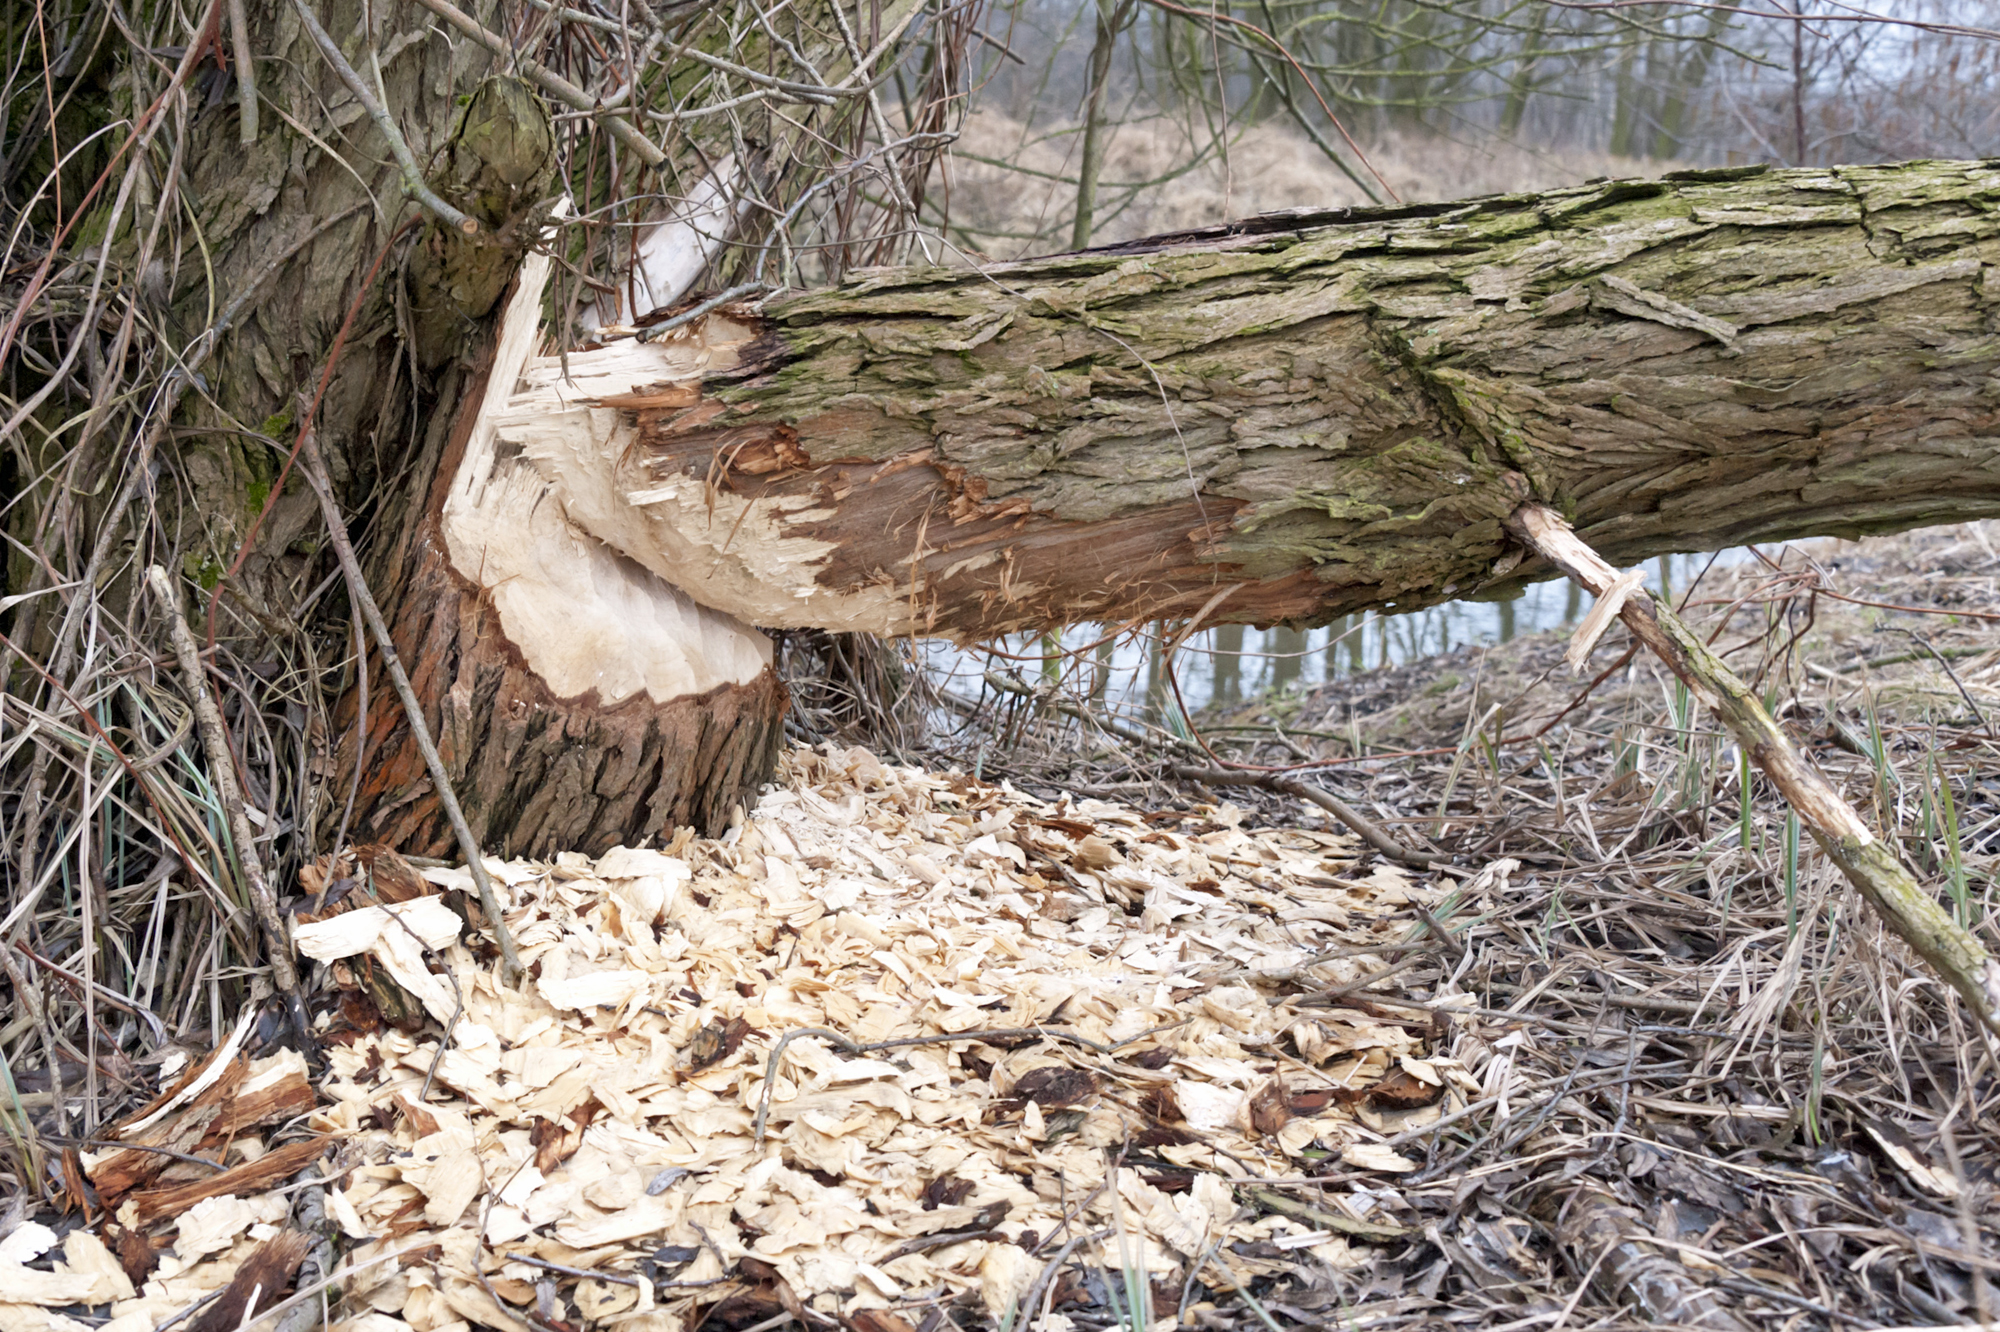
[1697, 1033]
[1681, 1075]
[1013, 187]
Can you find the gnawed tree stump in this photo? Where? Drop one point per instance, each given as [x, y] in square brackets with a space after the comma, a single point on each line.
[578, 699]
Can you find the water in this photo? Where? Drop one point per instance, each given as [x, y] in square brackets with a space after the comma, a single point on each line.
[1235, 663]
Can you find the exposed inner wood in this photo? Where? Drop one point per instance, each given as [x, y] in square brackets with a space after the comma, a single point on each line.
[673, 252]
[1337, 410]
[584, 618]
[578, 699]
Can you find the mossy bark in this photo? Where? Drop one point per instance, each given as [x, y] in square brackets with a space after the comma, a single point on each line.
[535, 769]
[1338, 410]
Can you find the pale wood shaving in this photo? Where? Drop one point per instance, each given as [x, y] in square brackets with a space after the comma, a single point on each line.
[879, 902]
[609, 1111]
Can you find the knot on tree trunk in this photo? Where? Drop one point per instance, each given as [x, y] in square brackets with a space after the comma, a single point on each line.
[499, 164]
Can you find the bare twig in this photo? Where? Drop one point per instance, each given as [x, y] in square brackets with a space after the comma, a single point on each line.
[413, 176]
[739, 292]
[1326, 800]
[246, 71]
[222, 771]
[357, 587]
[551, 82]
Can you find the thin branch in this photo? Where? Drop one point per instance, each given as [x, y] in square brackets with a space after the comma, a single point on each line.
[1868, 862]
[246, 72]
[413, 176]
[1326, 800]
[551, 82]
[712, 304]
[357, 587]
[222, 771]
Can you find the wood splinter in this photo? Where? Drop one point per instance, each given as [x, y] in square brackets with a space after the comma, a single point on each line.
[1868, 862]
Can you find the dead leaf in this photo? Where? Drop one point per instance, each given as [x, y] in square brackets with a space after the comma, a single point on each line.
[390, 877]
[1401, 1090]
[1268, 1108]
[1055, 1085]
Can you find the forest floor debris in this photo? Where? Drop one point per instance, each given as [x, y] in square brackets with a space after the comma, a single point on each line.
[1731, 1050]
[1024, 1022]
[1630, 1054]
[890, 1045]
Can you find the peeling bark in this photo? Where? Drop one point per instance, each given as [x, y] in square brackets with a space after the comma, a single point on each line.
[1335, 411]
[1610, 1241]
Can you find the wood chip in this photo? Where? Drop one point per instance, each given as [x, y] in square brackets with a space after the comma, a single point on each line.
[610, 1110]
[350, 933]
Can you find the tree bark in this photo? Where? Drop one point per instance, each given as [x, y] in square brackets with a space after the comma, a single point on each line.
[582, 760]
[1309, 414]
[577, 699]
[580, 700]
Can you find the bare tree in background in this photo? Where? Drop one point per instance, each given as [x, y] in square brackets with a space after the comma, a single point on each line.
[1217, 107]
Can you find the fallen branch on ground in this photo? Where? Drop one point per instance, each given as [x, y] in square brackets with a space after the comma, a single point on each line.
[1868, 862]
[1362, 825]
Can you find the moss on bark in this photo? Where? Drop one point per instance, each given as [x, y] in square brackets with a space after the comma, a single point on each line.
[1354, 400]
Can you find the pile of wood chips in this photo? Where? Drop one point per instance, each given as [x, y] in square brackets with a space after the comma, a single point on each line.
[1014, 1040]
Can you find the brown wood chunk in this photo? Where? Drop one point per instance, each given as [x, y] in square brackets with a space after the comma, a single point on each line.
[258, 1284]
[277, 1164]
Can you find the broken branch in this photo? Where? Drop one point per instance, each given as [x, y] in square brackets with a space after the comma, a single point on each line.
[1360, 823]
[1869, 864]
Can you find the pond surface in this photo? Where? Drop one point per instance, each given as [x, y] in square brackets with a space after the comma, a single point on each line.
[1235, 663]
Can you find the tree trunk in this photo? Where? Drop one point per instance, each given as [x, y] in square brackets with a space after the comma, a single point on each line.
[577, 699]
[582, 753]
[1306, 415]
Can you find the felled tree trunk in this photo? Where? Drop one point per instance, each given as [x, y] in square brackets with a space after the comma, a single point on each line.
[1282, 420]
[1308, 414]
